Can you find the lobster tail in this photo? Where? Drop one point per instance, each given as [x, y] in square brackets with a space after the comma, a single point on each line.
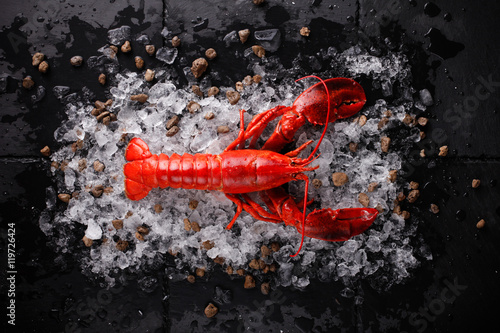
[137, 151]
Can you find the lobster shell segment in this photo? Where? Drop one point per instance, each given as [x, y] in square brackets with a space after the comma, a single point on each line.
[347, 97]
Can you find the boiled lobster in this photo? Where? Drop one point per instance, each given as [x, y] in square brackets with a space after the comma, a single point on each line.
[237, 172]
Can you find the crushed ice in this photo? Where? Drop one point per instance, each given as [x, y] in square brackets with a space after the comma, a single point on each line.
[383, 254]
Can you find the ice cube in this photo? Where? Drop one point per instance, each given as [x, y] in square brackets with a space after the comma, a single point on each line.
[426, 97]
[39, 94]
[60, 91]
[167, 54]
[269, 39]
[231, 38]
[119, 35]
[93, 231]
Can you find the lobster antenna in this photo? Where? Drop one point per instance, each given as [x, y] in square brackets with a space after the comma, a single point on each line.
[311, 157]
[327, 113]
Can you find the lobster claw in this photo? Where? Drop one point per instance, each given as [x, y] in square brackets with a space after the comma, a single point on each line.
[326, 224]
[347, 97]
[338, 225]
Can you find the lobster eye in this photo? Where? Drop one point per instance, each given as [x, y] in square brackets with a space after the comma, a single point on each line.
[292, 163]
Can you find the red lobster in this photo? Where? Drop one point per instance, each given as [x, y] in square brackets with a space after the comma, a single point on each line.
[239, 172]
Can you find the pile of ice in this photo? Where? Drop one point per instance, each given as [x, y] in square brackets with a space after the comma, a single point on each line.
[384, 254]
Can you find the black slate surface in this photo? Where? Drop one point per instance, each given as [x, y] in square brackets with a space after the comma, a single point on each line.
[455, 51]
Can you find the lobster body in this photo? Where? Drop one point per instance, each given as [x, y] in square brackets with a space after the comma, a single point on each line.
[235, 171]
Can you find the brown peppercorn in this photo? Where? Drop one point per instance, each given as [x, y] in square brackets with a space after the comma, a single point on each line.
[76, 61]
[233, 96]
[207, 245]
[273, 267]
[259, 51]
[317, 183]
[195, 226]
[149, 75]
[265, 288]
[361, 120]
[44, 67]
[172, 122]
[108, 190]
[106, 120]
[210, 53]
[247, 80]
[45, 151]
[385, 143]
[193, 107]
[114, 48]
[264, 251]
[413, 196]
[422, 153]
[364, 199]
[405, 214]
[397, 210]
[102, 79]
[382, 123]
[172, 131]
[150, 49]
[249, 282]
[434, 208]
[211, 310]
[476, 183]
[353, 147]
[97, 191]
[129, 214]
[254, 264]
[393, 175]
[141, 98]
[187, 225]
[408, 120]
[239, 86]
[275, 246]
[422, 121]
[258, 2]
[191, 278]
[139, 62]
[222, 129]
[257, 78]
[64, 197]
[401, 196]
[99, 166]
[28, 82]
[82, 165]
[126, 47]
[198, 67]
[37, 59]
[193, 204]
[443, 151]
[139, 236]
[240, 271]
[122, 245]
[372, 186]
[102, 115]
[196, 89]
[87, 241]
[212, 91]
[229, 270]
[305, 31]
[339, 179]
[244, 34]
[481, 224]
[176, 41]
[143, 230]
[209, 116]
[414, 185]
[200, 272]
[219, 260]
[118, 224]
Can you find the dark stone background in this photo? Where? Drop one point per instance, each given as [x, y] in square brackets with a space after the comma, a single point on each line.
[454, 48]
